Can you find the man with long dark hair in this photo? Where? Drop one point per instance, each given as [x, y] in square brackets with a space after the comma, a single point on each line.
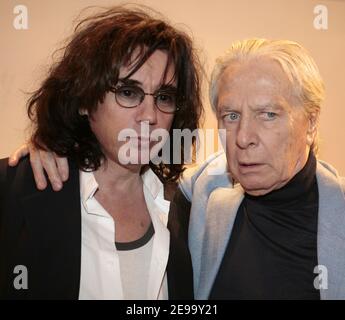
[104, 236]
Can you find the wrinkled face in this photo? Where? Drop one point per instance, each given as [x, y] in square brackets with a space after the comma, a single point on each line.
[268, 135]
[110, 120]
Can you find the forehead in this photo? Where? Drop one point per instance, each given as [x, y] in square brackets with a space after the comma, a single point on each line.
[257, 81]
[155, 68]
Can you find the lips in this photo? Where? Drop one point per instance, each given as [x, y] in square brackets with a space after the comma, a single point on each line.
[144, 139]
[142, 142]
[249, 164]
[249, 167]
[137, 138]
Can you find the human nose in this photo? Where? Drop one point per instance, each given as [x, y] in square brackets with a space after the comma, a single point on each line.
[246, 134]
[147, 110]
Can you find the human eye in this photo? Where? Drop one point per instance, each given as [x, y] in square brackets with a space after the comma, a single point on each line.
[231, 116]
[268, 115]
[166, 98]
[128, 92]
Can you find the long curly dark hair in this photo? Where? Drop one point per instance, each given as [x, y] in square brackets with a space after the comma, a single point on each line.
[89, 68]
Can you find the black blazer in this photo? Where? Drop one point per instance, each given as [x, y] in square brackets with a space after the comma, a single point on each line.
[42, 231]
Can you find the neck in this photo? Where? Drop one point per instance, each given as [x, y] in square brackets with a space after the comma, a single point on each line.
[112, 177]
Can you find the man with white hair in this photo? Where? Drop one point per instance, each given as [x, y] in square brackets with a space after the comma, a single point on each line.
[273, 226]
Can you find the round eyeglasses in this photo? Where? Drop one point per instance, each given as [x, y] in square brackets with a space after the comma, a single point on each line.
[132, 96]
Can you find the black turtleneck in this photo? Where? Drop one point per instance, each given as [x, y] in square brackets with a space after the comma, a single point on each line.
[272, 250]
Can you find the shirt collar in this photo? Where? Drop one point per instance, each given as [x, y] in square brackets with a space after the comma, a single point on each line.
[153, 184]
[89, 185]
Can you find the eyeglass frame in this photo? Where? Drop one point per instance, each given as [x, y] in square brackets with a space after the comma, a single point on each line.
[154, 95]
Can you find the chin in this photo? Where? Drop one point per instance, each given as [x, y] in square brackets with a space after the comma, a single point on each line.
[255, 187]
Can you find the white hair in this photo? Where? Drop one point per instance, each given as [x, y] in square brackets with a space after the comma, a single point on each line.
[295, 61]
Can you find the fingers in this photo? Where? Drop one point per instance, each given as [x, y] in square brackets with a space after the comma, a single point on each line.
[17, 155]
[40, 160]
[62, 166]
[37, 169]
[49, 163]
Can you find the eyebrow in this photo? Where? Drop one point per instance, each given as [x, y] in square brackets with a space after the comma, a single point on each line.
[132, 82]
[275, 106]
[168, 87]
[258, 107]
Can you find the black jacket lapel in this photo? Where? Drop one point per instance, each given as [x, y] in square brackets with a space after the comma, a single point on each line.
[179, 269]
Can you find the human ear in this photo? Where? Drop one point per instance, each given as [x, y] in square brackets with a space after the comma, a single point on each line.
[312, 127]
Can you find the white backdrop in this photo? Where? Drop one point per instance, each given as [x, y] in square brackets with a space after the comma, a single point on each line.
[25, 54]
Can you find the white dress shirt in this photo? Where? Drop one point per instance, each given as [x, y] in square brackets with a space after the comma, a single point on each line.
[100, 267]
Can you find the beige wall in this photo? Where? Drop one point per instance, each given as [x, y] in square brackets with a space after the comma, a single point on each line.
[24, 54]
